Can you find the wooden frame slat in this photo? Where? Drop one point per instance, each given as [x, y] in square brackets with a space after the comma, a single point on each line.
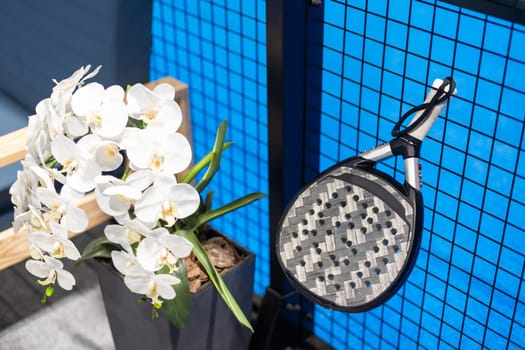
[14, 246]
[12, 147]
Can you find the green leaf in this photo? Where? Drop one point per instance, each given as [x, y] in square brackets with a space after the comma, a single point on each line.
[98, 248]
[202, 163]
[238, 203]
[208, 200]
[178, 310]
[215, 163]
[135, 123]
[215, 278]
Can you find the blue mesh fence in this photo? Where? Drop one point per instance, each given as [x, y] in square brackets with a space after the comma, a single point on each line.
[379, 59]
[219, 49]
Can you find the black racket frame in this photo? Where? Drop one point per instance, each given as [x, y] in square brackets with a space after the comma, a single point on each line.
[403, 144]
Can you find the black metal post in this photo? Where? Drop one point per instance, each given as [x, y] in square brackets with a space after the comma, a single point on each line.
[287, 24]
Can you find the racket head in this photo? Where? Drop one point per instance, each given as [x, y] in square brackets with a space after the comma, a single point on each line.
[350, 238]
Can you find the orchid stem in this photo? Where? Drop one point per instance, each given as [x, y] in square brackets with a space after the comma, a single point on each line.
[51, 162]
[126, 173]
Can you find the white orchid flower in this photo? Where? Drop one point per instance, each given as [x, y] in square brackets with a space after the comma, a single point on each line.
[23, 194]
[21, 219]
[126, 263]
[68, 85]
[57, 244]
[141, 281]
[157, 149]
[70, 195]
[52, 119]
[161, 248]
[153, 286]
[75, 126]
[167, 200]
[20, 190]
[51, 270]
[130, 232]
[23, 191]
[105, 153]
[38, 138]
[35, 252]
[35, 220]
[115, 196]
[76, 163]
[45, 175]
[118, 204]
[157, 105]
[55, 113]
[61, 99]
[103, 110]
[107, 156]
[59, 210]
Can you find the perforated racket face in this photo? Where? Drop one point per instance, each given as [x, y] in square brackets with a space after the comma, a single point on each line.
[346, 239]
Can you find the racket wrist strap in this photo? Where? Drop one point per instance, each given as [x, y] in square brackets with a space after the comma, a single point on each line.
[426, 113]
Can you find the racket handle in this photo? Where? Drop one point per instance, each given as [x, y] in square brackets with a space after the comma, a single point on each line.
[421, 131]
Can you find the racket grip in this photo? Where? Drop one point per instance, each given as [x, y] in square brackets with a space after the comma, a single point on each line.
[422, 131]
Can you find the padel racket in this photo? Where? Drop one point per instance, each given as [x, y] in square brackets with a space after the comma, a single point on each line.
[350, 238]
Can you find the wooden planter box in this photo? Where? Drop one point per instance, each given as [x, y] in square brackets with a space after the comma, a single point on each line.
[212, 326]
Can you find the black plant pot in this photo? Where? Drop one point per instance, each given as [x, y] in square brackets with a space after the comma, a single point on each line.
[211, 325]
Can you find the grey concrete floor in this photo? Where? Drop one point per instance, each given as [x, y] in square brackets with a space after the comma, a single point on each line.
[69, 320]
